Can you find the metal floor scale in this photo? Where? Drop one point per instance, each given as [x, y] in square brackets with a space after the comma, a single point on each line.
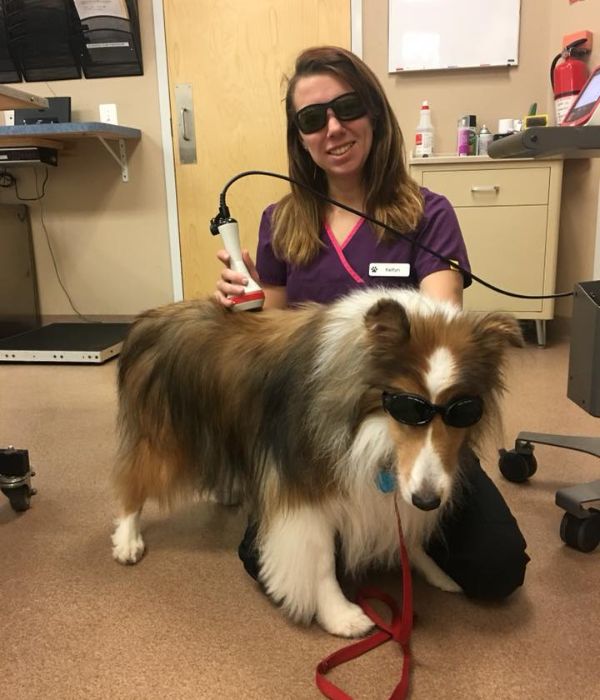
[91, 343]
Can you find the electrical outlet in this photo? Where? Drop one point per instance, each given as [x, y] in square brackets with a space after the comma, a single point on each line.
[9, 117]
[108, 114]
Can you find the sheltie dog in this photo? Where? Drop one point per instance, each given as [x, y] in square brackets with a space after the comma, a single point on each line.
[303, 410]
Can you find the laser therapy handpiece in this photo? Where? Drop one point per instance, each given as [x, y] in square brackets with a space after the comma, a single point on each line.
[254, 297]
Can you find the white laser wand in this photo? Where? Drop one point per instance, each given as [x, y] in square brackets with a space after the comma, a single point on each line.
[253, 298]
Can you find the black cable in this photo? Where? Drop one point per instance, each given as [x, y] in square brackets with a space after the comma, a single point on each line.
[39, 196]
[8, 180]
[50, 249]
[224, 212]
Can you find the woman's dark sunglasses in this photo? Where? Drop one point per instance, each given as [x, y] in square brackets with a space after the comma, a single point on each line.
[346, 107]
[411, 409]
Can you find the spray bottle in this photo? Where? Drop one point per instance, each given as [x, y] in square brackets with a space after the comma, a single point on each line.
[485, 138]
[424, 133]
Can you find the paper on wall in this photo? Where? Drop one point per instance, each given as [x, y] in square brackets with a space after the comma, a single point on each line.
[95, 8]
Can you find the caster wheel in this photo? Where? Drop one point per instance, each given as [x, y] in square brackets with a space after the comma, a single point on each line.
[20, 498]
[517, 467]
[582, 534]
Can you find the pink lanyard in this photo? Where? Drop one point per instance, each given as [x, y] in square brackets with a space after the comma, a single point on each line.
[399, 629]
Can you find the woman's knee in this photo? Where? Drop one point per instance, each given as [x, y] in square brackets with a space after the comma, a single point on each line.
[497, 573]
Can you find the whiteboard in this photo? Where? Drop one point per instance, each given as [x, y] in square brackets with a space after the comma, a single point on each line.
[442, 34]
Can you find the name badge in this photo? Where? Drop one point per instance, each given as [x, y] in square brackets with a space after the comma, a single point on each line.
[386, 269]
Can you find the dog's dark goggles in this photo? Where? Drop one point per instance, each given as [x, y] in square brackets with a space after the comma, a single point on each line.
[411, 409]
[346, 107]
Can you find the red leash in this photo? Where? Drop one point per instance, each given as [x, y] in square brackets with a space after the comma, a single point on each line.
[399, 629]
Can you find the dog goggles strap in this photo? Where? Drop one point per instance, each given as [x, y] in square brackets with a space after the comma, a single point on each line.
[399, 629]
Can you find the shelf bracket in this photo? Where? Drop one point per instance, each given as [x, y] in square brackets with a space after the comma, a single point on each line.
[121, 158]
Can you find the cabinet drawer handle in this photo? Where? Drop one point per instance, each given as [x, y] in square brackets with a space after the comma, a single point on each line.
[486, 188]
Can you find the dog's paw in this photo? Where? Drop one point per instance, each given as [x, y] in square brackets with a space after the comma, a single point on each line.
[127, 551]
[345, 621]
[432, 572]
[441, 580]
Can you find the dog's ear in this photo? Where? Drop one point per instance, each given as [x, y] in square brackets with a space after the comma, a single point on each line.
[387, 323]
[499, 327]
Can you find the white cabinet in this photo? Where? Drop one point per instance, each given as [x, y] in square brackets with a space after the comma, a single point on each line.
[509, 215]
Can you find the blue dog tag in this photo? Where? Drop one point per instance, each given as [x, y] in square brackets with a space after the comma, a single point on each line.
[386, 481]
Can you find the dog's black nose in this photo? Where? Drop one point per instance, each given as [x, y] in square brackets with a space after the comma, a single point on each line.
[427, 502]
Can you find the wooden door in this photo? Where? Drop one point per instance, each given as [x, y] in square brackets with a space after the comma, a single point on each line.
[235, 54]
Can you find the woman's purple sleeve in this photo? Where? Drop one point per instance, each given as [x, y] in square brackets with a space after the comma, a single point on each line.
[270, 269]
[440, 231]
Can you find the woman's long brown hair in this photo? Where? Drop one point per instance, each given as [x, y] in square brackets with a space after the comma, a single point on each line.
[392, 196]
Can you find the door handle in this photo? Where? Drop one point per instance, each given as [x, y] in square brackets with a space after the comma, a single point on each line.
[186, 134]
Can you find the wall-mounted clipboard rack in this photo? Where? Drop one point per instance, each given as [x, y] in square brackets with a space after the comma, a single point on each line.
[55, 135]
[43, 40]
[111, 44]
[43, 37]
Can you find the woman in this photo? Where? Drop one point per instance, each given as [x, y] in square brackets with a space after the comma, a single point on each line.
[344, 141]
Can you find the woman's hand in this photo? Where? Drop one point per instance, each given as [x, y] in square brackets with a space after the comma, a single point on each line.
[232, 282]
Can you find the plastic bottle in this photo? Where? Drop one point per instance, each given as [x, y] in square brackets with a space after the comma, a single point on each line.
[466, 142]
[424, 133]
[462, 138]
[485, 138]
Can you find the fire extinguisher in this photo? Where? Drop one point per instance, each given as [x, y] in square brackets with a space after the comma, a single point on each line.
[568, 77]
